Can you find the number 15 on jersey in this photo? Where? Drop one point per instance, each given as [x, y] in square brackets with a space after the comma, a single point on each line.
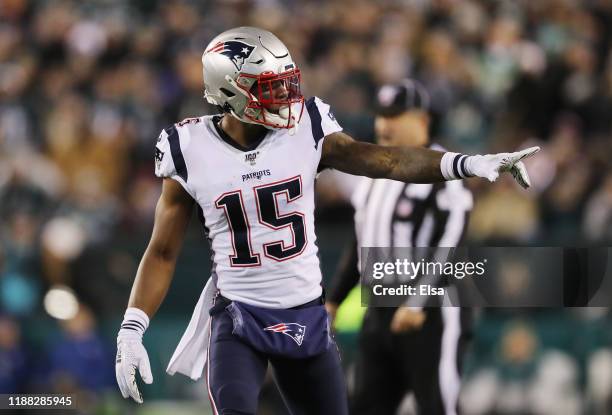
[268, 214]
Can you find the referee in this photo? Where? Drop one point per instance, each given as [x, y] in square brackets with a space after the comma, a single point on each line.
[414, 347]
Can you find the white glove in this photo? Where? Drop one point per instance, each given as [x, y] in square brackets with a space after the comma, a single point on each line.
[131, 355]
[489, 166]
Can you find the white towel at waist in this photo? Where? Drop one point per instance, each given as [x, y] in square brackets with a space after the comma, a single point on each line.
[189, 357]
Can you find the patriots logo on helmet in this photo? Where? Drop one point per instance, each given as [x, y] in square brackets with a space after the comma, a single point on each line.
[294, 330]
[237, 51]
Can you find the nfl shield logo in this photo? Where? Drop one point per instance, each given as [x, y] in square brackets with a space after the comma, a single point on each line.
[251, 157]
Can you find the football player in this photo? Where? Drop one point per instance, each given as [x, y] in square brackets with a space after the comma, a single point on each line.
[250, 173]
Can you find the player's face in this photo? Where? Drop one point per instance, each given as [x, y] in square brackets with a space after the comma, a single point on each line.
[410, 128]
[276, 93]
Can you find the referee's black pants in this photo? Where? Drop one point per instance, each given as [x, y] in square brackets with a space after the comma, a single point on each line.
[424, 361]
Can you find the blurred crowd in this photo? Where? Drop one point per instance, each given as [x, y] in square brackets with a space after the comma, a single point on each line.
[86, 87]
[540, 362]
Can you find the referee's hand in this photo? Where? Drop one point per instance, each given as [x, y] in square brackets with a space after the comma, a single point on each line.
[407, 319]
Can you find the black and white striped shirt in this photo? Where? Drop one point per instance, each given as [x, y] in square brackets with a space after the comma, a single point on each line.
[390, 213]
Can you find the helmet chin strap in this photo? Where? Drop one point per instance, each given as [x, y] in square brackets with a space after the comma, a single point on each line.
[279, 119]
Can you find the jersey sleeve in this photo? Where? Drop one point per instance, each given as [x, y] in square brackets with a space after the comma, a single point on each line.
[169, 160]
[323, 121]
[329, 124]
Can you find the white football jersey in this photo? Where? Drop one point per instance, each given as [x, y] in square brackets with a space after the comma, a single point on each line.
[256, 204]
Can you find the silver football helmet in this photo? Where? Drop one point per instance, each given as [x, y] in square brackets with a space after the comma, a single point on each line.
[250, 74]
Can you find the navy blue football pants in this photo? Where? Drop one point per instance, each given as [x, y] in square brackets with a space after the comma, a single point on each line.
[236, 371]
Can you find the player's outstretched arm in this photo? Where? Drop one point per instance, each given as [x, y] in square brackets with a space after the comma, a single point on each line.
[153, 278]
[416, 164]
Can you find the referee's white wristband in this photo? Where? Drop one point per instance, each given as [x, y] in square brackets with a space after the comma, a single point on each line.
[454, 166]
[134, 320]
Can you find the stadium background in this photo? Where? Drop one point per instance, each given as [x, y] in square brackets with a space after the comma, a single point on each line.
[85, 88]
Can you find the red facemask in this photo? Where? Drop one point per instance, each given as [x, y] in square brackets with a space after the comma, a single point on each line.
[272, 96]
